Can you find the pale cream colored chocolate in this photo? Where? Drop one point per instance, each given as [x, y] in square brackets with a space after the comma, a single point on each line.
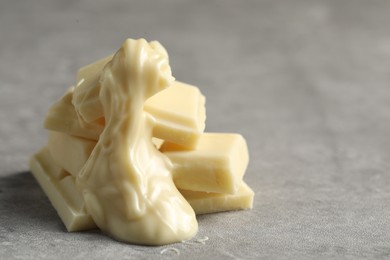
[170, 123]
[216, 165]
[208, 202]
[223, 158]
[126, 182]
[69, 152]
[86, 96]
[62, 117]
[60, 188]
[102, 156]
[179, 113]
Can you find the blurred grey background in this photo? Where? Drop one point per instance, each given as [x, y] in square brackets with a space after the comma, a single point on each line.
[306, 82]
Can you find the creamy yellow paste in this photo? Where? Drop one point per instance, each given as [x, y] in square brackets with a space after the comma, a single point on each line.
[126, 182]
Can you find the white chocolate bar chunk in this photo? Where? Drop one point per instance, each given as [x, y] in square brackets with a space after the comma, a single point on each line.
[125, 140]
[52, 170]
[181, 122]
[86, 95]
[204, 202]
[69, 152]
[216, 165]
[179, 112]
[71, 193]
[64, 197]
[62, 117]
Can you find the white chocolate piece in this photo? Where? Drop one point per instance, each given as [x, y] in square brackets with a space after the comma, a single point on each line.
[216, 165]
[126, 182]
[62, 117]
[51, 169]
[72, 195]
[86, 95]
[69, 152]
[179, 113]
[103, 156]
[170, 122]
[204, 202]
[63, 195]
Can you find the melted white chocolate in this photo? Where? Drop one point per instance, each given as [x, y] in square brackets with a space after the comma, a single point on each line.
[126, 182]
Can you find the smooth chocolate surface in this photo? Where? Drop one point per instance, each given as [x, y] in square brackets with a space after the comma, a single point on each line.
[305, 82]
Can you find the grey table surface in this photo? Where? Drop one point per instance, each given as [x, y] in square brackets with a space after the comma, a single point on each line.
[306, 82]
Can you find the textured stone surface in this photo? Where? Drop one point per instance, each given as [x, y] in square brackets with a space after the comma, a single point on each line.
[306, 82]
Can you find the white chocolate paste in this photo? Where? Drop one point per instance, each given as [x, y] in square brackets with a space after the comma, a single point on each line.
[126, 182]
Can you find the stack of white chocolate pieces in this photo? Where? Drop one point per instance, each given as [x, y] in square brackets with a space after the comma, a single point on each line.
[207, 167]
